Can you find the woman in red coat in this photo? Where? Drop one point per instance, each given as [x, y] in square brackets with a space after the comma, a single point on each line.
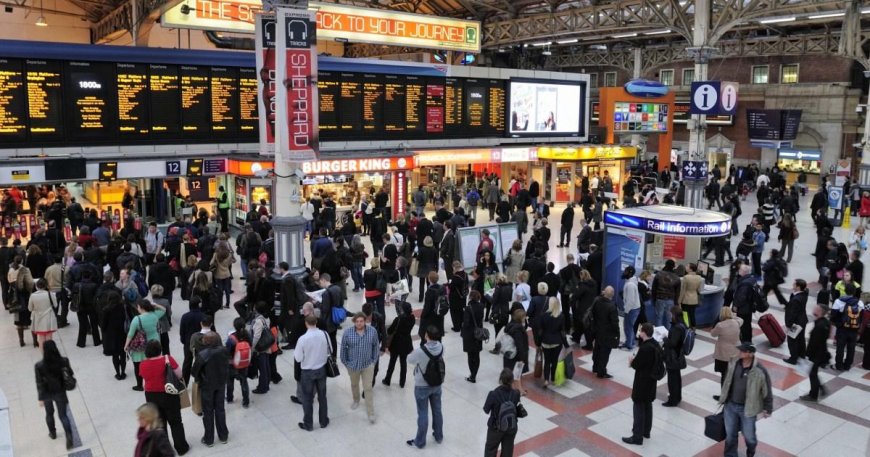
[865, 208]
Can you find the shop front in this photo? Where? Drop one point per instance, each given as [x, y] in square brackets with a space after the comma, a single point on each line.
[567, 165]
[346, 180]
[460, 165]
[793, 161]
[245, 188]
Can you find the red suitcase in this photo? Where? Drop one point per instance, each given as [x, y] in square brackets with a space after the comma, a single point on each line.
[772, 330]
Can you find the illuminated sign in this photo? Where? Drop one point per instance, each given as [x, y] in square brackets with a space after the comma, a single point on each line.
[108, 171]
[668, 227]
[320, 167]
[338, 22]
[445, 156]
[587, 153]
[800, 154]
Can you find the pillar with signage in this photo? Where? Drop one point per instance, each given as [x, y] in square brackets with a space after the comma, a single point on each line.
[622, 112]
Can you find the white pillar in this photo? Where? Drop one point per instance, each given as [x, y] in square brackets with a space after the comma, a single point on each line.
[864, 173]
[701, 53]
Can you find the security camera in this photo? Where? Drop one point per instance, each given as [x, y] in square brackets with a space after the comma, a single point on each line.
[264, 173]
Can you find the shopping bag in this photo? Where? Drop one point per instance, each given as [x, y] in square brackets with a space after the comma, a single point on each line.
[714, 426]
[184, 398]
[568, 359]
[803, 366]
[539, 364]
[560, 373]
[195, 399]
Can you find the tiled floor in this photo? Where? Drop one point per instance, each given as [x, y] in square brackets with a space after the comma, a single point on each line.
[585, 417]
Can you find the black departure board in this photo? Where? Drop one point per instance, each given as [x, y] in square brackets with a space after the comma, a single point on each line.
[131, 82]
[13, 101]
[350, 104]
[44, 99]
[394, 104]
[415, 105]
[224, 90]
[454, 100]
[248, 108]
[476, 93]
[165, 88]
[89, 95]
[496, 106]
[329, 91]
[195, 101]
[373, 103]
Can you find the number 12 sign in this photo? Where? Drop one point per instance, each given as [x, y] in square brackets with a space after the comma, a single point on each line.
[173, 167]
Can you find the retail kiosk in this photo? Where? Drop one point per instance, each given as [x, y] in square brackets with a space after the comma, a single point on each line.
[621, 112]
[646, 236]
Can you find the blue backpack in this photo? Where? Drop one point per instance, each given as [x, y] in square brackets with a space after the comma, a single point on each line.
[473, 197]
[141, 285]
[339, 314]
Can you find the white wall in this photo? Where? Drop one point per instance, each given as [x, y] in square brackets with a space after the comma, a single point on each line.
[20, 24]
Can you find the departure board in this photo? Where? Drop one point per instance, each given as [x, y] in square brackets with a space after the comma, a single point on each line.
[248, 109]
[415, 104]
[434, 108]
[195, 101]
[329, 91]
[165, 90]
[44, 98]
[476, 92]
[350, 104]
[453, 103]
[89, 99]
[13, 101]
[394, 104]
[496, 106]
[224, 90]
[132, 85]
[373, 103]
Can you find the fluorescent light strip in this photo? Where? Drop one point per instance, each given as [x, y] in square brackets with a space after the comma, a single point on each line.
[545, 43]
[572, 41]
[777, 20]
[660, 32]
[627, 35]
[826, 15]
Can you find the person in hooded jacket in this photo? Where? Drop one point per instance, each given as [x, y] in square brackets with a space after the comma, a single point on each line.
[211, 369]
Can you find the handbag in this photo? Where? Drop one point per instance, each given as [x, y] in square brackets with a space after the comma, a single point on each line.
[714, 426]
[69, 380]
[266, 340]
[139, 340]
[539, 364]
[172, 385]
[331, 364]
[480, 334]
[568, 358]
[560, 373]
[414, 268]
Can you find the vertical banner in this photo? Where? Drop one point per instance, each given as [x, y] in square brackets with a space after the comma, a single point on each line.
[398, 193]
[265, 52]
[296, 76]
[622, 247]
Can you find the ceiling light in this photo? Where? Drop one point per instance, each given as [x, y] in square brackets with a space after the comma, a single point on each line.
[571, 41]
[543, 43]
[865, 11]
[826, 15]
[41, 21]
[777, 20]
[659, 32]
[547, 53]
[627, 35]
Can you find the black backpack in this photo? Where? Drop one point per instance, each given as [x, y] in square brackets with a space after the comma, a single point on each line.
[659, 370]
[506, 419]
[435, 370]
[443, 304]
[760, 299]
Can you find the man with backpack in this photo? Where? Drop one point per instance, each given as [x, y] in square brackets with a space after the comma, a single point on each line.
[435, 305]
[428, 377]
[846, 316]
[504, 409]
[473, 199]
[649, 368]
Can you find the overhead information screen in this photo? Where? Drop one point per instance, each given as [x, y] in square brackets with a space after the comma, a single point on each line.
[415, 105]
[195, 101]
[435, 107]
[373, 103]
[90, 100]
[497, 106]
[453, 103]
[476, 92]
[165, 101]
[132, 86]
[248, 115]
[13, 101]
[394, 105]
[44, 98]
[351, 104]
[224, 101]
[329, 91]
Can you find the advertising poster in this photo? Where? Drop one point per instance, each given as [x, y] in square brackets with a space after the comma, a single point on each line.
[622, 247]
[540, 108]
[265, 62]
[835, 205]
[674, 247]
[296, 105]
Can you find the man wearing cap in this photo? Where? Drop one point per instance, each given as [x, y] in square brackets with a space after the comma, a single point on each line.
[746, 394]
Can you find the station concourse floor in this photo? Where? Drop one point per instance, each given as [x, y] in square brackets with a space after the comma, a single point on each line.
[585, 417]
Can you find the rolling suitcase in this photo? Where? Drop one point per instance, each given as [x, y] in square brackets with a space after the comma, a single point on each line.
[772, 330]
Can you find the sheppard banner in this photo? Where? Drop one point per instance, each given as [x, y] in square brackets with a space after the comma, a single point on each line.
[296, 79]
[265, 54]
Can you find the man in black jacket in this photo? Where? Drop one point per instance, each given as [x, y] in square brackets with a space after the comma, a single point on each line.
[85, 294]
[447, 250]
[160, 273]
[6, 255]
[536, 268]
[554, 283]
[643, 389]
[191, 324]
[817, 351]
[606, 323]
[744, 301]
[431, 315]
[331, 298]
[796, 314]
[211, 369]
[567, 224]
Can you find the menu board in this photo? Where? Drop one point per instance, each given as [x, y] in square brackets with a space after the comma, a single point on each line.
[195, 101]
[640, 117]
[394, 104]
[329, 90]
[13, 102]
[373, 103]
[434, 108]
[132, 87]
[351, 103]
[773, 124]
[165, 91]
[89, 98]
[224, 100]
[44, 98]
[248, 114]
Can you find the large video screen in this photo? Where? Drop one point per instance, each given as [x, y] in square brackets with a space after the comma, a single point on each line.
[539, 107]
[640, 117]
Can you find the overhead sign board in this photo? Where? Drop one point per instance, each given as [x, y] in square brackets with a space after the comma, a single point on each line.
[335, 22]
[714, 97]
[296, 108]
[668, 227]
[773, 124]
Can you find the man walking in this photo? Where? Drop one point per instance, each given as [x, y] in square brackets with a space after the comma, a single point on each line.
[210, 370]
[744, 300]
[567, 224]
[428, 377]
[606, 323]
[359, 352]
[796, 314]
[846, 315]
[817, 351]
[643, 389]
[311, 352]
[746, 394]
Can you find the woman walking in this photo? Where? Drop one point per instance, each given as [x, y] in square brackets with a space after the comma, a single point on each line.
[21, 283]
[727, 333]
[399, 342]
[51, 389]
[472, 319]
[513, 261]
[551, 328]
[222, 264]
[112, 321]
[41, 306]
[375, 285]
[143, 324]
[153, 372]
[151, 439]
[495, 400]
[519, 363]
[501, 303]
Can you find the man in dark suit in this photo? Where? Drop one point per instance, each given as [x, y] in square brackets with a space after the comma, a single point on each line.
[566, 226]
[643, 389]
[554, 283]
[447, 250]
[817, 351]
[796, 314]
[606, 323]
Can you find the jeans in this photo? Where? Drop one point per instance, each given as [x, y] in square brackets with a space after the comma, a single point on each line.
[846, 340]
[473, 212]
[787, 244]
[643, 416]
[628, 327]
[356, 273]
[365, 375]
[314, 381]
[663, 312]
[244, 265]
[61, 401]
[214, 414]
[263, 367]
[419, 210]
[226, 286]
[495, 438]
[232, 376]
[428, 396]
[736, 421]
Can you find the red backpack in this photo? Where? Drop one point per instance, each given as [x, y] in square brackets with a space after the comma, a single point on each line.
[242, 355]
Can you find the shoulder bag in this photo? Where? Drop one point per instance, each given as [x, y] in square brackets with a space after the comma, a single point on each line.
[172, 385]
[266, 339]
[331, 364]
[69, 380]
[480, 334]
[139, 340]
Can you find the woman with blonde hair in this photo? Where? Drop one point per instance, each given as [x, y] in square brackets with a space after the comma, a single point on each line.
[151, 439]
[522, 290]
[222, 264]
[551, 328]
[727, 333]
